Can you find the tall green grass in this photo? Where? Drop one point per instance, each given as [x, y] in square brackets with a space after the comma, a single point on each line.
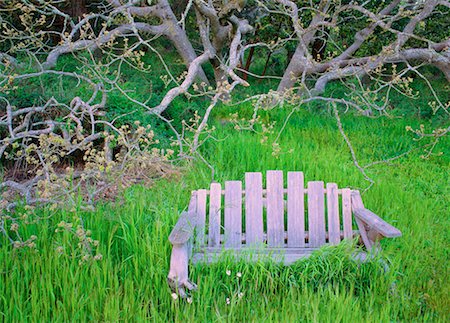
[129, 283]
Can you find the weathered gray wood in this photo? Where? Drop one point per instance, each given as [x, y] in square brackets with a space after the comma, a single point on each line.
[347, 213]
[284, 191]
[357, 204]
[243, 236]
[316, 216]
[253, 208]
[179, 263]
[275, 208]
[181, 239]
[259, 249]
[374, 238]
[334, 229]
[363, 234]
[178, 273]
[233, 213]
[373, 221]
[369, 236]
[201, 217]
[285, 255]
[192, 207]
[184, 229]
[371, 227]
[215, 200]
[376, 223]
[295, 210]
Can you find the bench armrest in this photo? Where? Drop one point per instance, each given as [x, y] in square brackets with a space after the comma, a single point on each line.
[184, 229]
[376, 223]
[373, 221]
[180, 237]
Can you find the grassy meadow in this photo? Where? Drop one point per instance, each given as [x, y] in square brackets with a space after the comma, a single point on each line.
[129, 282]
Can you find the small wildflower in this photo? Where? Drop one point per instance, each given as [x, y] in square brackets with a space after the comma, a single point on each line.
[189, 300]
[239, 275]
[228, 301]
[240, 294]
[228, 272]
[98, 257]
[174, 295]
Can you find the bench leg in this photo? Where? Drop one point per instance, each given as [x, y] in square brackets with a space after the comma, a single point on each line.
[178, 273]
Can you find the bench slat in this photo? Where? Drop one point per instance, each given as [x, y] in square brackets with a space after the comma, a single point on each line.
[275, 208]
[233, 213]
[201, 217]
[254, 208]
[296, 210]
[316, 216]
[214, 214]
[347, 213]
[333, 214]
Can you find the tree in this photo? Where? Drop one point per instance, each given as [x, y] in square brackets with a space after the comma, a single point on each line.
[398, 18]
[352, 38]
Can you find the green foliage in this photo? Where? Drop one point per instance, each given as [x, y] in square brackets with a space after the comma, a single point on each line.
[129, 283]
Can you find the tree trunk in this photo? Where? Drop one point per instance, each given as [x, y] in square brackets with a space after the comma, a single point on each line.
[184, 47]
[219, 75]
[248, 63]
[444, 68]
[74, 8]
[267, 64]
[295, 67]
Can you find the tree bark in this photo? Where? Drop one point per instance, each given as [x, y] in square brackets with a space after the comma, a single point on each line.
[77, 8]
[184, 47]
[296, 66]
[248, 63]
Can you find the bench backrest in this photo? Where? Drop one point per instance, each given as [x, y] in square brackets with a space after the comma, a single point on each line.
[294, 216]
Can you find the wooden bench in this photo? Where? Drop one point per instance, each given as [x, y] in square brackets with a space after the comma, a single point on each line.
[285, 224]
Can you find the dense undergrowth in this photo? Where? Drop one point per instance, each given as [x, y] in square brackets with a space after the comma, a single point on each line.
[128, 283]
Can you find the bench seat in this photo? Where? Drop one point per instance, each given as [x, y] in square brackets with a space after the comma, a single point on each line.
[279, 222]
